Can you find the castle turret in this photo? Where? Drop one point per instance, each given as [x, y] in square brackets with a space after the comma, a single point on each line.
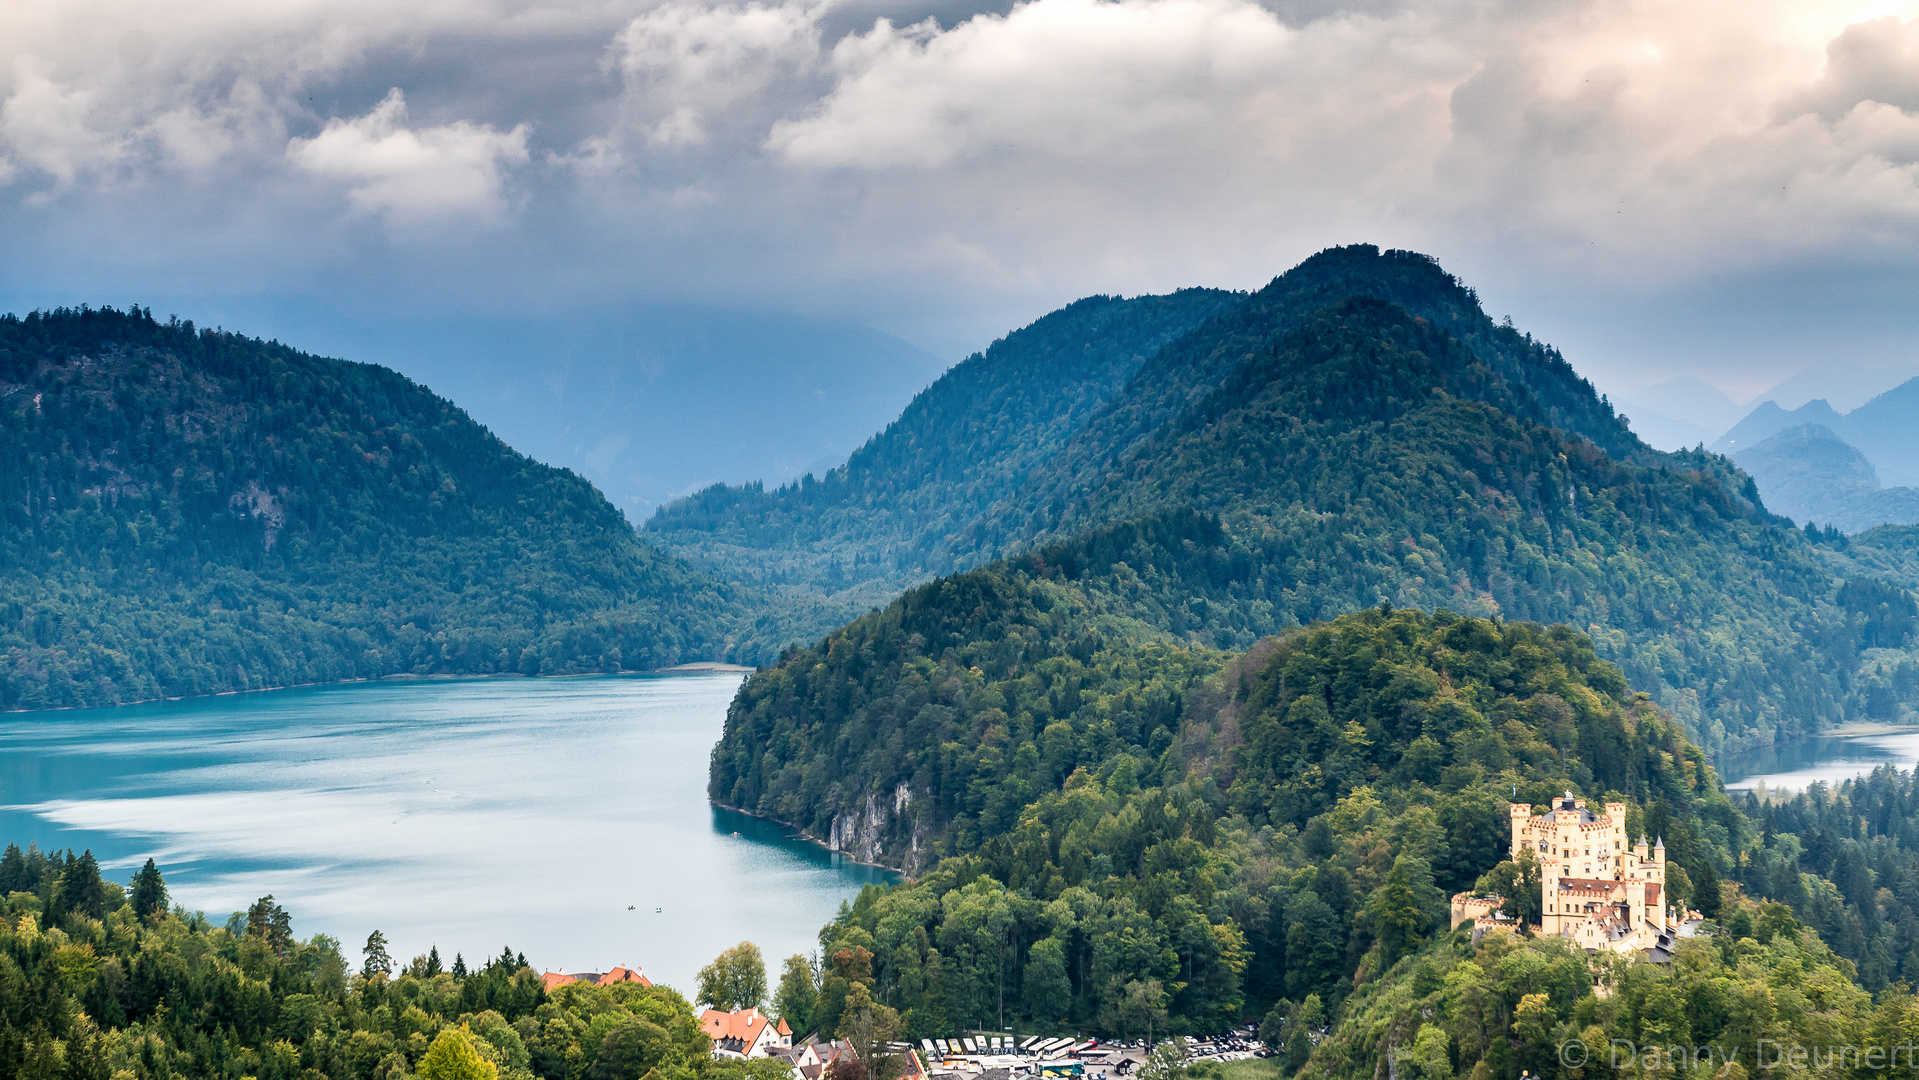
[1522, 816]
[1635, 902]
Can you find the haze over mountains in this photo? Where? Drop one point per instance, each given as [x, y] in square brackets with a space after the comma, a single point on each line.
[651, 405]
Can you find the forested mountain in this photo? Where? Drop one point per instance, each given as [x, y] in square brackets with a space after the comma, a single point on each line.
[1284, 849]
[1162, 830]
[835, 547]
[1146, 784]
[188, 511]
[1811, 475]
[1402, 447]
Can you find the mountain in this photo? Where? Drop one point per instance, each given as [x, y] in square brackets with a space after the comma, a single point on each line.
[1358, 432]
[851, 540]
[1768, 419]
[193, 512]
[1126, 822]
[1809, 474]
[1881, 429]
[1844, 385]
[1252, 670]
[1682, 412]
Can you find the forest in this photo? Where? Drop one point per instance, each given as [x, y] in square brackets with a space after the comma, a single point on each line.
[1287, 854]
[1362, 431]
[187, 511]
[100, 981]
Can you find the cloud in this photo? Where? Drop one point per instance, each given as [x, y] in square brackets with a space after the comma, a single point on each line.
[944, 179]
[1074, 79]
[685, 63]
[452, 169]
[46, 127]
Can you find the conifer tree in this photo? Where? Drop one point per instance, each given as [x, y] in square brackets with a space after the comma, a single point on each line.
[378, 960]
[149, 891]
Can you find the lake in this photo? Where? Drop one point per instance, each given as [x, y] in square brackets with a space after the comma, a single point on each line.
[565, 817]
[1830, 759]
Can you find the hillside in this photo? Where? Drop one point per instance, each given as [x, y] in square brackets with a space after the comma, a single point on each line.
[1134, 841]
[1288, 854]
[1808, 474]
[837, 546]
[1207, 836]
[186, 511]
[1245, 696]
[1366, 452]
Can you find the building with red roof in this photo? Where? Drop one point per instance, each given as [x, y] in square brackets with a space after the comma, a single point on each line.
[552, 980]
[748, 1032]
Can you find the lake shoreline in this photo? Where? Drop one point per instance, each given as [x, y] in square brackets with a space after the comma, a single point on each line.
[698, 667]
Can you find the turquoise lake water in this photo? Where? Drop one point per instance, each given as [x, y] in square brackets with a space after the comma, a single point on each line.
[1827, 759]
[468, 814]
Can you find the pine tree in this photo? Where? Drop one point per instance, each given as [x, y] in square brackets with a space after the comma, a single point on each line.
[433, 961]
[270, 922]
[459, 966]
[79, 891]
[1706, 891]
[149, 891]
[378, 960]
[15, 874]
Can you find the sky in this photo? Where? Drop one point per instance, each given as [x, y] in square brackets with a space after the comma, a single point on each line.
[1722, 189]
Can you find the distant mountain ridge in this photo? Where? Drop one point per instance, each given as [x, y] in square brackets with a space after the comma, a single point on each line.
[1882, 429]
[1812, 476]
[188, 512]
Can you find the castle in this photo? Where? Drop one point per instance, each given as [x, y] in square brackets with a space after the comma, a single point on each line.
[1594, 889]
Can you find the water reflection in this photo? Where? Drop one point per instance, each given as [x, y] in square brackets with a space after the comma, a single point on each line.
[1828, 759]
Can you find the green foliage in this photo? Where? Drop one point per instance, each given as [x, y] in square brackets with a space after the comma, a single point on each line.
[173, 995]
[149, 895]
[1294, 837]
[1509, 1003]
[1845, 862]
[735, 980]
[798, 995]
[452, 1057]
[194, 512]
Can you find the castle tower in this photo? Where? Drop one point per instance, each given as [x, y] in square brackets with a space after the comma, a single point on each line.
[1522, 816]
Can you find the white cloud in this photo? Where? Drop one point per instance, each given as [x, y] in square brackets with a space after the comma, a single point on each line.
[49, 127]
[1056, 78]
[685, 63]
[413, 174]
